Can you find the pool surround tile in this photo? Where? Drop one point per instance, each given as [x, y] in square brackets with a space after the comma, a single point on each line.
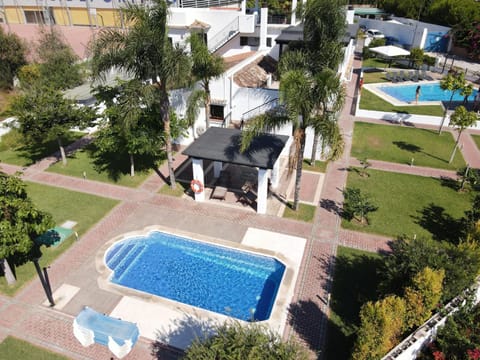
[173, 315]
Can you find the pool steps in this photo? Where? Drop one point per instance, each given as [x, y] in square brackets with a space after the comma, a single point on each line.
[128, 260]
[237, 263]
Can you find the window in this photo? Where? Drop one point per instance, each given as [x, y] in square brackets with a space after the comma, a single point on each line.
[249, 41]
[39, 17]
[269, 42]
[34, 17]
[216, 112]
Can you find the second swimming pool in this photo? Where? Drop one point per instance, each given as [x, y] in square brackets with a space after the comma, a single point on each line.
[235, 283]
[428, 92]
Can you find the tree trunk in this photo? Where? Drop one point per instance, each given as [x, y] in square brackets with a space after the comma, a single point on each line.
[207, 105]
[455, 148]
[445, 115]
[299, 139]
[165, 107]
[7, 271]
[132, 165]
[313, 158]
[62, 151]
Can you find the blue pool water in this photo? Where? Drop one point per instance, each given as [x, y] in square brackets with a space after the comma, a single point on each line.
[228, 281]
[429, 92]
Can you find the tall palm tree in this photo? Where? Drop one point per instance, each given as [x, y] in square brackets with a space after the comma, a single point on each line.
[144, 52]
[206, 66]
[298, 94]
[329, 99]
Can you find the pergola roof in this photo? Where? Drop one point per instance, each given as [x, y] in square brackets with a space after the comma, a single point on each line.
[220, 144]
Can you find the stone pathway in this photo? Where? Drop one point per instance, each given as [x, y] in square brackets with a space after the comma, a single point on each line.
[23, 316]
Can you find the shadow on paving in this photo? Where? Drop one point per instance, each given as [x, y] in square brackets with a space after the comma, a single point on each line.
[184, 329]
[306, 317]
[331, 206]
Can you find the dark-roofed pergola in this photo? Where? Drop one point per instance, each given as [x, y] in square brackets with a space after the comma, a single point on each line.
[222, 146]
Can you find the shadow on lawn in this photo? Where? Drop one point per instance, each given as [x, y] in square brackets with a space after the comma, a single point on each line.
[36, 151]
[355, 283]
[415, 149]
[441, 225]
[116, 164]
[407, 146]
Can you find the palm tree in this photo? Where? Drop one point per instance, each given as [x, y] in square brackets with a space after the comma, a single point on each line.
[453, 82]
[144, 52]
[461, 119]
[324, 27]
[298, 93]
[206, 66]
[330, 97]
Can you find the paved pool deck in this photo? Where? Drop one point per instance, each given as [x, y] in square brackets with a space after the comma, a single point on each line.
[24, 315]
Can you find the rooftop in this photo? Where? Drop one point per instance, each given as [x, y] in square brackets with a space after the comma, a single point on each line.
[220, 144]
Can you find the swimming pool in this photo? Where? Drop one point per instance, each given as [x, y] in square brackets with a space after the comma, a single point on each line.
[235, 283]
[429, 92]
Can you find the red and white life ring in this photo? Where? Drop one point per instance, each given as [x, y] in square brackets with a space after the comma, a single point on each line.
[196, 186]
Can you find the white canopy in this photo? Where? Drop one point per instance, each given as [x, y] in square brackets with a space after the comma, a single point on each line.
[390, 51]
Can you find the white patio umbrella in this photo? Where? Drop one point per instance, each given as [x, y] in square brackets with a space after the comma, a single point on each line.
[390, 51]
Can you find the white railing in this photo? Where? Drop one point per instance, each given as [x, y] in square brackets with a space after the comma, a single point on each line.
[221, 37]
[412, 345]
[205, 3]
[269, 105]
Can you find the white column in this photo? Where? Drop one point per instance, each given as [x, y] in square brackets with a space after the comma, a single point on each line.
[293, 20]
[217, 167]
[197, 167]
[423, 39]
[263, 28]
[262, 191]
[275, 179]
[244, 6]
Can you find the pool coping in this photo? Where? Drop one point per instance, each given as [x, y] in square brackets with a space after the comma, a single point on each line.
[279, 312]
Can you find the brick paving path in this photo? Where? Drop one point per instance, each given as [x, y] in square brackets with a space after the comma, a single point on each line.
[24, 317]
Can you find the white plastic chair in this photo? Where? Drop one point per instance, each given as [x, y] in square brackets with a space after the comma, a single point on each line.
[119, 351]
[83, 335]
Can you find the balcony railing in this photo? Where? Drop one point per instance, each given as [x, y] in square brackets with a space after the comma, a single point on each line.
[205, 3]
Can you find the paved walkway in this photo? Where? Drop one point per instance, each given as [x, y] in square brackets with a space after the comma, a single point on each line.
[25, 317]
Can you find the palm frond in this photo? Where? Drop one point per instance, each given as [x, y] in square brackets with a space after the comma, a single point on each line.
[195, 100]
[263, 123]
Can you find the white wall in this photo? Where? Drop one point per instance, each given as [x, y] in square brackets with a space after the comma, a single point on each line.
[403, 32]
[245, 99]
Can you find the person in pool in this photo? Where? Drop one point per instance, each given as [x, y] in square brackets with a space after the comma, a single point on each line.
[417, 94]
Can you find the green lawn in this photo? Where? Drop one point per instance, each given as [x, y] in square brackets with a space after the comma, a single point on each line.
[370, 101]
[5, 98]
[354, 283]
[374, 77]
[114, 169]
[180, 189]
[476, 138]
[320, 166]
[400, 144]
[381, 63]
[64, 205]
[409, 204]
[15, 150]
[304, 213]
[12, 348]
